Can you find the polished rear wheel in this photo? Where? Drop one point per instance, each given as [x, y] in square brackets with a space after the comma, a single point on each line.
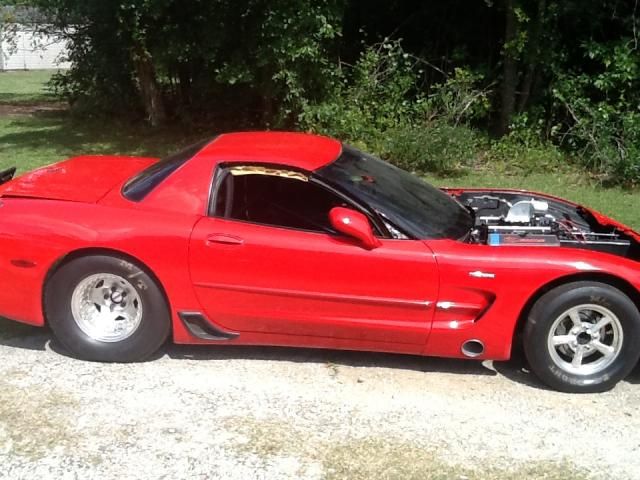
[586, 339]
[106, 308]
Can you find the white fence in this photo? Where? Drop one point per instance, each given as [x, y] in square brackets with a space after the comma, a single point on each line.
[27, 50]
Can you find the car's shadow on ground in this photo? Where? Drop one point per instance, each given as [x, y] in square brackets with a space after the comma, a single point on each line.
[330, 357]
[13, 334]
[26, 337]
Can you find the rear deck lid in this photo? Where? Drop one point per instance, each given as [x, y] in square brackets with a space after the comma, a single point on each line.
[81, 179]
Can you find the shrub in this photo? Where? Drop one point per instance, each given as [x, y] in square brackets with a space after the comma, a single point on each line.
[435, 148]
[524, 151]
[599, 114]
[378, 106]
[458, 100]
[375, 95]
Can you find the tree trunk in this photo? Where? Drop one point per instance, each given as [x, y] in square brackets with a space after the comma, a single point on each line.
[510, 70]
[534, 48]
[525, 89]
[184, 78]
[149, 89]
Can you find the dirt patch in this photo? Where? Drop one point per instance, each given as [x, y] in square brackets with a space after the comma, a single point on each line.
[372, 457]
[34, 420]
[10, 110]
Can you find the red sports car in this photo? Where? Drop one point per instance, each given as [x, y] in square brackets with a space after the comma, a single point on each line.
[294, 239]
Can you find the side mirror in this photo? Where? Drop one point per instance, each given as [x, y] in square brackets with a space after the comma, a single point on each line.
[355, 225]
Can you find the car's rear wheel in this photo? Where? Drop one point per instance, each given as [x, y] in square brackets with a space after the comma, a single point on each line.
[583, 337]
[105, 308]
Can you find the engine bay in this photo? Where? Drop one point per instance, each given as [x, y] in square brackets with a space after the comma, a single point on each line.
[514, 218]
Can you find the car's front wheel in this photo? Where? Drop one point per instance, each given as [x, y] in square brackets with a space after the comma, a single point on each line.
[105, 308]
[583, 337]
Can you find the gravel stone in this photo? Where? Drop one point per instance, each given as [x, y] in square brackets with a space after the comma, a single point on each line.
[276, 413]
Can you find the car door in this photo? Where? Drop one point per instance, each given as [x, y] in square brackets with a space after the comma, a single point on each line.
[266, 272]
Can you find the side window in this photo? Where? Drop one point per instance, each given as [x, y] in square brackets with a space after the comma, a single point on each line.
[282, 199]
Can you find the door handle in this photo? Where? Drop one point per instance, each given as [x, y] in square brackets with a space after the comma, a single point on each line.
[224, 239]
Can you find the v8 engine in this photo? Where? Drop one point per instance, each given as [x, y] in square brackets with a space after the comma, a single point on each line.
[514, 218]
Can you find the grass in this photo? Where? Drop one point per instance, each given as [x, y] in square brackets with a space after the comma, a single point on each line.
[19, 88]
[30, 141]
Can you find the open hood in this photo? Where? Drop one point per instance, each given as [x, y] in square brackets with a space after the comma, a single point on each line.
[519, 217]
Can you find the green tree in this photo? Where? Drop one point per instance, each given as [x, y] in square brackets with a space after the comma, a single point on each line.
[561, 69]
[152, 53]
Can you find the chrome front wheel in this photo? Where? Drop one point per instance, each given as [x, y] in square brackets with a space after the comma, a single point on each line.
[585, 339]
[583, 336]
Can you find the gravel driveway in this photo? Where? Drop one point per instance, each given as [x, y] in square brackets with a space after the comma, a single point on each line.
[245, 413]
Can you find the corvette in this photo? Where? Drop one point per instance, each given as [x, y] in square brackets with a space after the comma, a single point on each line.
[298, 240]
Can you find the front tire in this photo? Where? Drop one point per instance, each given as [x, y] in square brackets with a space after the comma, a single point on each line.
[583, 337]
[104, 308]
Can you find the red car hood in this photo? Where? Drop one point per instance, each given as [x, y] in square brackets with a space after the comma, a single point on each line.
[609, 222]
[81, 179]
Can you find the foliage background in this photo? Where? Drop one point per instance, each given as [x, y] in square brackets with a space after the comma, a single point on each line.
[433, 86]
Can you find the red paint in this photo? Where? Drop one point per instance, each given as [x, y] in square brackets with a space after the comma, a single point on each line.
[81, 179]
[312, 284]
[275, 286]
[354, 224]
[298, 150]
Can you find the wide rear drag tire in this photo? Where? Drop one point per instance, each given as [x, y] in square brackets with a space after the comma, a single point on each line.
[105, 308]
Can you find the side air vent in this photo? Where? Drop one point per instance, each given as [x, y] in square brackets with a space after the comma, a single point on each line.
[199, 327]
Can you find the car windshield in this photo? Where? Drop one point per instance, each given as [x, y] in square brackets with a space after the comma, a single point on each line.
[411, 204]
[142, 184]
